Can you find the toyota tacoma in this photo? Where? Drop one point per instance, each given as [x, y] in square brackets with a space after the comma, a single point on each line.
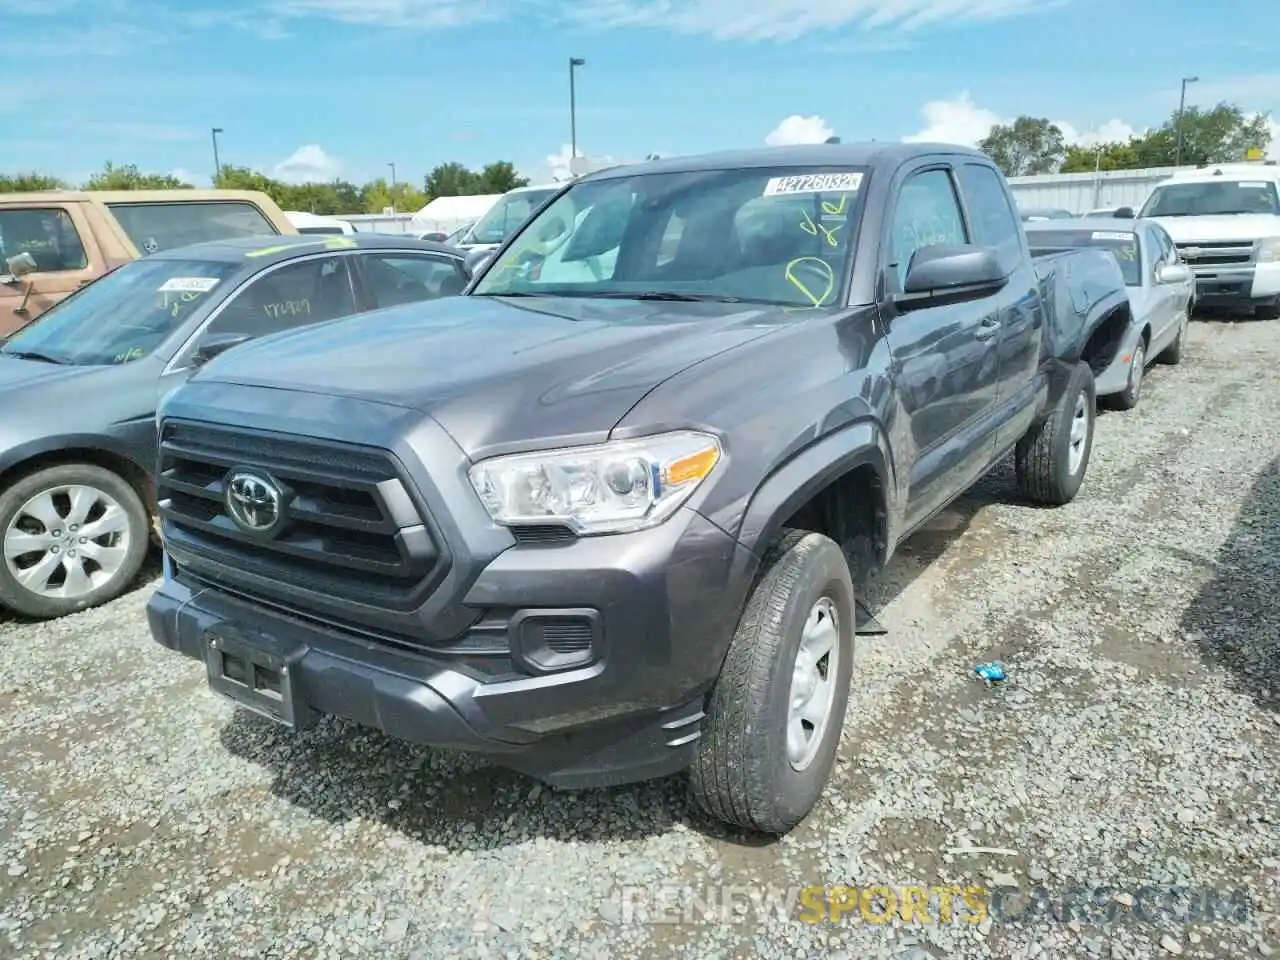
[605, 516]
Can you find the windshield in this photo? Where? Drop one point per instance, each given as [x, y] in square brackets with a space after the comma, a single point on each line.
[1211, 198]
[776, 235]
[505, 216]
[1122, 244]
[124, 315]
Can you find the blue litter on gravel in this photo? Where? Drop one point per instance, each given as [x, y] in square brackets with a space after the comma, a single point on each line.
[990, 672]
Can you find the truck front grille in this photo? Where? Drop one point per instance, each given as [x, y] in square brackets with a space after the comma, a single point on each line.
[350, 528]
[1216, 254]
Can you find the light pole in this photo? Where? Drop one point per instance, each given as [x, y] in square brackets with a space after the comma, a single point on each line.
[217, 166]
[392, 193]
[1182, 105]
[574, 63]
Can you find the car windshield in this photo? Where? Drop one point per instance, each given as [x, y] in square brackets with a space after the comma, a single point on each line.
[776, 235]
[505, 216]
[1212, 198]
[1122, 244]
[124, 315]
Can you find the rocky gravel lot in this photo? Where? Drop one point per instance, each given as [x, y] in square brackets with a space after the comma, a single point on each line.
[1133, 745]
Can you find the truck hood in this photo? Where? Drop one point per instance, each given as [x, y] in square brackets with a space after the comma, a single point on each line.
[496, 372]
[1210, 229]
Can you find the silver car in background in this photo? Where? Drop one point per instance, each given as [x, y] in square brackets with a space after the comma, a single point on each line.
[1161, 294]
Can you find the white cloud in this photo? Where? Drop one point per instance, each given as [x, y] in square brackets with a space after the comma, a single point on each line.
[195, 179]
[557, 164]
[788, 19]
[797, 129]
[307, 164]
[396, 14]
[963, 122]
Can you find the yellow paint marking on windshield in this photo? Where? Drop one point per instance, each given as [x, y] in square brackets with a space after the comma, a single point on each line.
[328, 243]
[268, 251]
[811, 228]
[835, 210]
[819, 266]
[134, 353]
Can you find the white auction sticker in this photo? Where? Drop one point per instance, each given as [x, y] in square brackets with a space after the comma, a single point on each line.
[813, 183]
[189, 285]
[1109, 235]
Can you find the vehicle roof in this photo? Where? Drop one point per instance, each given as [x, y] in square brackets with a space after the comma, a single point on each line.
[536, 186]
[187, 194]
[1086, 225]
[280, 247]
[1226, 172]
[870, 154]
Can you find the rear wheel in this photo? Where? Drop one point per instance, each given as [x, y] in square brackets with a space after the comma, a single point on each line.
[776, 714]
[1052, 458]
[72, 537]
[1269, 311]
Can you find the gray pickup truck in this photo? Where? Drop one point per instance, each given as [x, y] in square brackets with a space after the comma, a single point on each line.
[605, 516]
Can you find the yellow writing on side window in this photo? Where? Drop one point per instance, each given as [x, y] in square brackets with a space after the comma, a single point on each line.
[287, 308]
[818, 287]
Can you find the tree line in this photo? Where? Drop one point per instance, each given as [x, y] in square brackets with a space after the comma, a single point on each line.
[335, 197]
[1222, 134]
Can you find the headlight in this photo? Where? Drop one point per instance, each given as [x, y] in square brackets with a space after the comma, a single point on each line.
[1269, 249]
[608, 488]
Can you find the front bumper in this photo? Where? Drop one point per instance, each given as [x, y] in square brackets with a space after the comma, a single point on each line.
[662, 613]
[1237, 286]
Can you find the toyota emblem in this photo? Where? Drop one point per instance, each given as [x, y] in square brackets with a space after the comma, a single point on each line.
[254, 501]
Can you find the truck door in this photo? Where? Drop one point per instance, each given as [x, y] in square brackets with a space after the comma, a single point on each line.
[1017, 309]
[58, 237]
[945, 357]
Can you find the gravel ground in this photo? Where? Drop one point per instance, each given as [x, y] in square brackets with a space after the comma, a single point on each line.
[1133, 744]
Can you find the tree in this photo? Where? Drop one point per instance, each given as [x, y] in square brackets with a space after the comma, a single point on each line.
[1223, 134]
[1103, 156]
[452, 180]
[500, 177]
[377, 195]
[1027, 146]
[129, 177]
[29, 183]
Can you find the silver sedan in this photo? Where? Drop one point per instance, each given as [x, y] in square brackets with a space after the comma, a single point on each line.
[1161, 294]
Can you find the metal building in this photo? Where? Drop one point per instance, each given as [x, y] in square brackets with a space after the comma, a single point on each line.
[1082, 192]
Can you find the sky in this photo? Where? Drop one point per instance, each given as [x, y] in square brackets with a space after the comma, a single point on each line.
[316, 89]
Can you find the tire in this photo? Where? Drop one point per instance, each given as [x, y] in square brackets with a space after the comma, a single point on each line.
[61, 495]
[744, 773]
[1270, 311]
[1172, 354]
[1128, 398]
[1047, 473]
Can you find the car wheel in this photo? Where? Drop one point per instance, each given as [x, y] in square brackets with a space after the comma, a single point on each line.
[1128, 398]
[72, 537]
[1269, 311]
[1052, 458]
[1173, 353]
[777, 711]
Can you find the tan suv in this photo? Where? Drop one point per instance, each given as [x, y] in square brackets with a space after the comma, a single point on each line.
[71, 238]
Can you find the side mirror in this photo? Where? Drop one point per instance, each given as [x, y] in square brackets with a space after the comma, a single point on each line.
[475, 261]
[19, 266]
[946, 272]
[1174, 273]
[217, 344]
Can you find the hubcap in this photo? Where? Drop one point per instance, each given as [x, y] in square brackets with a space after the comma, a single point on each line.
[66, 542]
[1080, 421]
[813, 684]
[1137, 368]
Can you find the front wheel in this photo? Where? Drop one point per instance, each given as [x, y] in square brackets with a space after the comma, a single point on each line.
[72, 537]
[1052, 458]
[1270, 311]
[777, 711]
[1128, 398]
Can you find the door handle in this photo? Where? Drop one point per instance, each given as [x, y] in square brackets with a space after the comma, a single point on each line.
[987, 329]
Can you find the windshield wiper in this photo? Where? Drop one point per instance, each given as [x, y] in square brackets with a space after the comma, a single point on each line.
[678, 296]
[32, 355]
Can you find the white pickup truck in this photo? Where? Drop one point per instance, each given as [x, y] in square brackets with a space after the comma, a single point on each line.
[1225, 222]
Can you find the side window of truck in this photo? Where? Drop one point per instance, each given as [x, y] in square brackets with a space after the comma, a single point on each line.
[162, 226]
[993, 220]
[927, 213]
[48, 235]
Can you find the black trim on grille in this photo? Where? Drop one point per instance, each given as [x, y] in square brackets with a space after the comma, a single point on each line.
[352, 529]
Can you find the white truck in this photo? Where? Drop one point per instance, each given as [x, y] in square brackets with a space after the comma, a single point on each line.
[1225, 222]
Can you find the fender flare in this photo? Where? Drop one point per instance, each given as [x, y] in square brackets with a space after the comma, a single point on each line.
[798, 479]
[15, 456]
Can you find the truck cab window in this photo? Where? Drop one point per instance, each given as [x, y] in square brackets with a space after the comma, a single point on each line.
[927, 214]
[994, 224]
[47, 234]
